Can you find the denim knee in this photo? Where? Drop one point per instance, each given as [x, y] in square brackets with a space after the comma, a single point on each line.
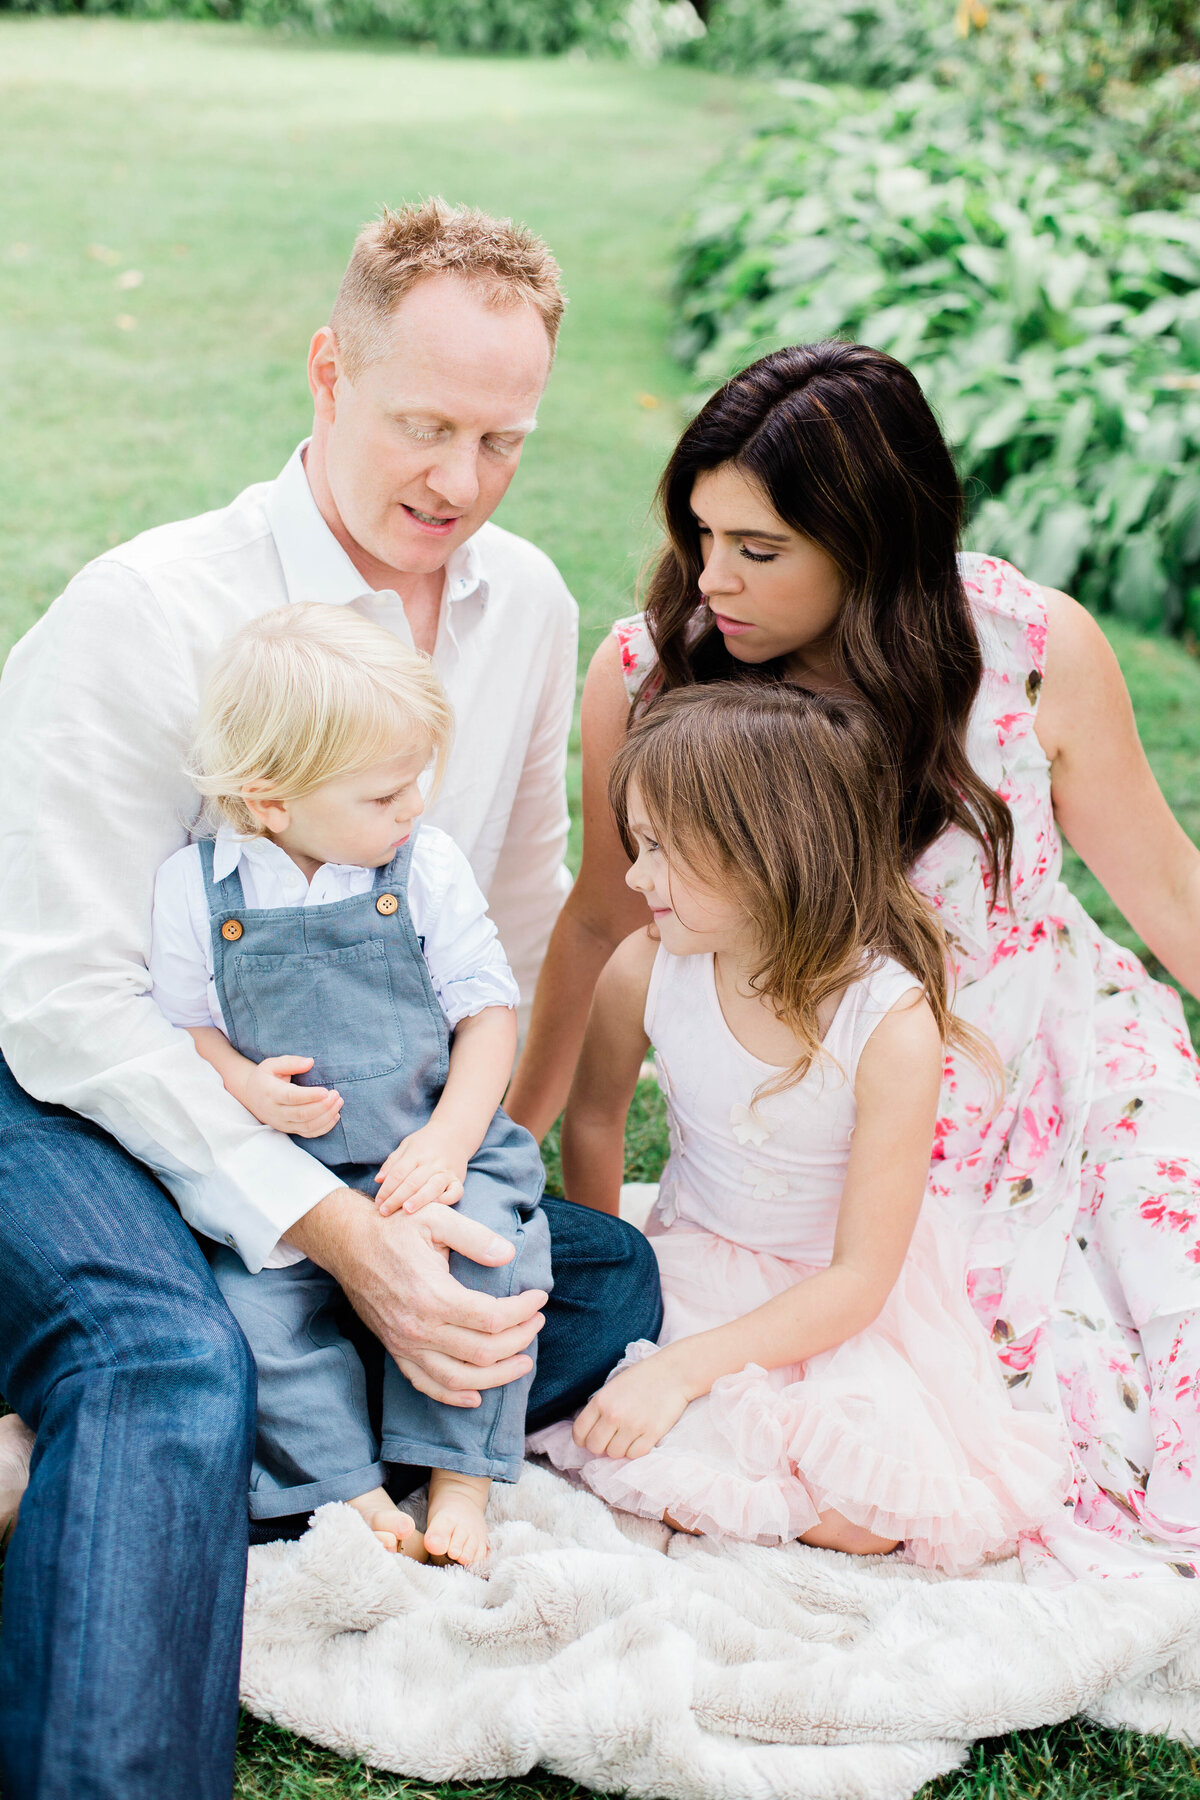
[641, 1294]
[195, 1387]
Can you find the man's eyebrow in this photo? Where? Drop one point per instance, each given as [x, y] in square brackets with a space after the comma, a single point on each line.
[770, 537]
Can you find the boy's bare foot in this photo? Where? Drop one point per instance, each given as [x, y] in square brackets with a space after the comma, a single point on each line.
[457, 1527]
[394, 1529]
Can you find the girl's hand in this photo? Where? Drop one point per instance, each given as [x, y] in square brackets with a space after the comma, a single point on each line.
[634, 1410]
[267, 1090]
[429, 1167]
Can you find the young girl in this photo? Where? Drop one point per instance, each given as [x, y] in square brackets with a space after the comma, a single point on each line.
[820, 1374]
[338, 969]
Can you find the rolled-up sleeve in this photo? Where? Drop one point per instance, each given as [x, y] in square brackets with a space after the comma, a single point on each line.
[97, 705]
[462, 948]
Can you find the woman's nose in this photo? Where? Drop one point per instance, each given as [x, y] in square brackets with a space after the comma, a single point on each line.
[718, 576]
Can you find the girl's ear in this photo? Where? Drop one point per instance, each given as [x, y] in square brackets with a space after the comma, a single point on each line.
[266, 810]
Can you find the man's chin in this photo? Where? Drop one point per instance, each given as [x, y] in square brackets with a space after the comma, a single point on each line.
[412, 551]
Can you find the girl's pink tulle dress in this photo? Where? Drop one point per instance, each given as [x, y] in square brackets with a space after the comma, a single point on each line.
[905, 1429]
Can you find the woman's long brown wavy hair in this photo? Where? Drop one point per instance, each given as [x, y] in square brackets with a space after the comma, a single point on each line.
[841, 442]
[787, 800]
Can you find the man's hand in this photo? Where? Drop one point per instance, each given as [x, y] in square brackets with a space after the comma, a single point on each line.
[267, 1090]
[429, 1166]
[635, 1410]
[449, 1342]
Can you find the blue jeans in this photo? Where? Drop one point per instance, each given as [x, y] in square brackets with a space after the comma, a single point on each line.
[123, 1583]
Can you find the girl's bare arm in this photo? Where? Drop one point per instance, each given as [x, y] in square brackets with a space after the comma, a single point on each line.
[897, 1084]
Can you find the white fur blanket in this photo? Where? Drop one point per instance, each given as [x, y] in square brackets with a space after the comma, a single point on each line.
[635, 1661]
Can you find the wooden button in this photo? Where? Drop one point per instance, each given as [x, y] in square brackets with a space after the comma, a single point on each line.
[387, 904]
[231, 931]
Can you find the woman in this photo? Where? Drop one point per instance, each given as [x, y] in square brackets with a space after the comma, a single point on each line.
[813, 515]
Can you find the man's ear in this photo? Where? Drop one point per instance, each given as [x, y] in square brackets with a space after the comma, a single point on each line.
[266, 810]
[323, 370]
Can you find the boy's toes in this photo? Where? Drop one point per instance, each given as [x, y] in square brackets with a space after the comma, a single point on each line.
[391, 1527]
[467, 1546]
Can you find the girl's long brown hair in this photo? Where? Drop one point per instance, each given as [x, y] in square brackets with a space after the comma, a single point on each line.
[787, 799]
[841, 442]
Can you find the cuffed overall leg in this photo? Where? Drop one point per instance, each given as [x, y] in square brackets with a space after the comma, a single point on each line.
[488, 1439]
[314, 1441]
[124, 1581]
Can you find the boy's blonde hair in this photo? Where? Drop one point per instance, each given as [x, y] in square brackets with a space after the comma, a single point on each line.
[510, 265]
[305, 694]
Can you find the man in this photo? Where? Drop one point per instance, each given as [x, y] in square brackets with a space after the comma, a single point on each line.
[121, 1629]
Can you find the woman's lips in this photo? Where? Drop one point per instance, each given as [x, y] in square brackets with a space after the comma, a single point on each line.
[731, 627]
[436, 527]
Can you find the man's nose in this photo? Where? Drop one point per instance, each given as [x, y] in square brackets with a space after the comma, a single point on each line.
[455, 475]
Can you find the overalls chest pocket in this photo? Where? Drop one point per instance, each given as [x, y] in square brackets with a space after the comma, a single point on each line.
[337, 1006]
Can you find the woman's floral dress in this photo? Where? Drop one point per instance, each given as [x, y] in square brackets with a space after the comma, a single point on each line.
[1079, 1194]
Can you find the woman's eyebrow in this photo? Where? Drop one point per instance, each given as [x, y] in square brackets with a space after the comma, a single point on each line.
[770, 537]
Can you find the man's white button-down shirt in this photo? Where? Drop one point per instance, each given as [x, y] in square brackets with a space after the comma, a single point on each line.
[97, 707]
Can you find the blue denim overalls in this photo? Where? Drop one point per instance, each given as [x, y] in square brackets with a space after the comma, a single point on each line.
[348, 985]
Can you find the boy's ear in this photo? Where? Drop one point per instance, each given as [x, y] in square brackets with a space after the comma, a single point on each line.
[264, 808]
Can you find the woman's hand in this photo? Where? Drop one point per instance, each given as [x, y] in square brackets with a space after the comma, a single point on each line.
[635, 1410]
[429, 1167]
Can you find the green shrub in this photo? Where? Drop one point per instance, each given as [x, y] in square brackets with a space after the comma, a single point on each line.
[647, 29]
[1111, 86]
[872, 43]
[1057, 337]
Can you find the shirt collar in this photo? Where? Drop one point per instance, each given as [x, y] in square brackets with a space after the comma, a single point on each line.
[315, 567]
[230, 847]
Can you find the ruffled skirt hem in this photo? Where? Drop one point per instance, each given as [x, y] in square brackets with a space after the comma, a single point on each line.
[906, 1430]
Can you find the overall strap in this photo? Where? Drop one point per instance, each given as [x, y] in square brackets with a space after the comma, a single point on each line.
[222, 896]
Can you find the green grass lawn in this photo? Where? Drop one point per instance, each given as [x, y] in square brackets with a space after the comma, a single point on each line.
[178, 205]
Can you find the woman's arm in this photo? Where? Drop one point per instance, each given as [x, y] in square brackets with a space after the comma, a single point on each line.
[593, 1137]
[599, 912]
[896, 1089]
[1106, 801]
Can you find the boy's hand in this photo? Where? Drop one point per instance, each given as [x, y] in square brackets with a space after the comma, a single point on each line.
[267, 1090]
[429, 1167]
[634, 1411]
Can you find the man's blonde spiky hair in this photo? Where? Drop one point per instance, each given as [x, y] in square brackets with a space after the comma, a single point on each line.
[511, 266]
